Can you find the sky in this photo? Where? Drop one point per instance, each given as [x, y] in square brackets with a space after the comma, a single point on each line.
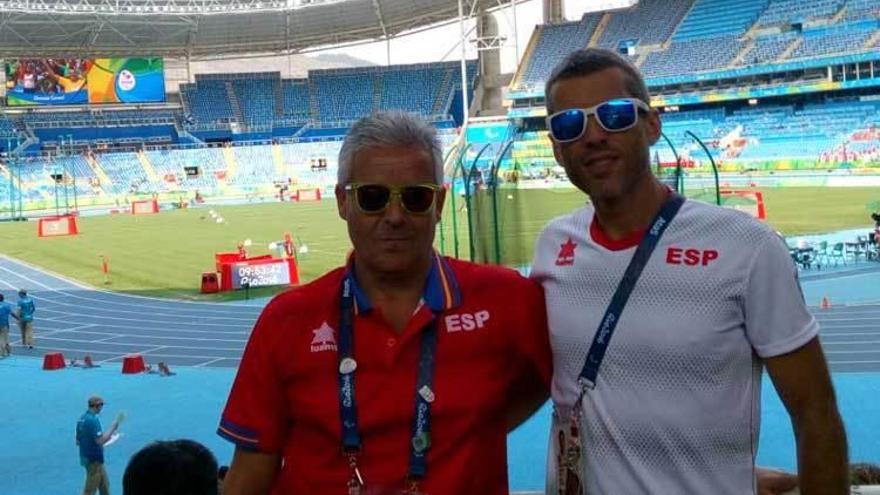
[442, 43]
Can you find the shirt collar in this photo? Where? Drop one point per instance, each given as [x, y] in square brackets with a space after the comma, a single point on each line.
[441, 291]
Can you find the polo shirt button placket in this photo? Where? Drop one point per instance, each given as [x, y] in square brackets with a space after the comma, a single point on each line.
[391, 342]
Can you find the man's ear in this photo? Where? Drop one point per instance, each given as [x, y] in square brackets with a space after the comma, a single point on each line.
[440, 202]
[653, 126]
[341, 202]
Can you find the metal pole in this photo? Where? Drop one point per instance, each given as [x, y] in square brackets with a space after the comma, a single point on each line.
[515, 31]
[494, 175]
[464, 85]
[714, 167]
[75, 193]
[455, 169]
[64, 184]
[11, 185]
[54, 174]
[467, 199]
[442, 233]
[679, 177]
[20, 195]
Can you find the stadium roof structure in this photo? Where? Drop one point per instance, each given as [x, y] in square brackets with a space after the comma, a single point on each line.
[199, 28]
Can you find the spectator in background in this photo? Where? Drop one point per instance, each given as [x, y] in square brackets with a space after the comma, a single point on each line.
[5, 313]
[172, 467]
[26, 310]
[91, 438]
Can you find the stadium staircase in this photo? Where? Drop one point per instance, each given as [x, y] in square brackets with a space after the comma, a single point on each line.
[527, 57]
[99, 171]
[600, 29]
[795, 44]
[278, 160]
[737, 60]
[233, 101]
[231, 163]
[314, 109]
[444, 90]
[378, 84]
[839, 15]
[279, 99]
[148, 167]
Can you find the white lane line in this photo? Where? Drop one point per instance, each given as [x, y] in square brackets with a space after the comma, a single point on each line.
[845, 342]
[141, 311]
[822, 320]
[158, 337]
[49, 273]
[207, 363]
[176, 320]
[877, 351]
[835, 327]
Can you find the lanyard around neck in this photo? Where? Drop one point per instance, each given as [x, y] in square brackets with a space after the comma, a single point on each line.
[424, 395]
[608, 323]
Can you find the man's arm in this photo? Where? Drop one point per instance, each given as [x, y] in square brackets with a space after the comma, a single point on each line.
[251, 473]
[531, 394]
[105, 437]
[803, 382]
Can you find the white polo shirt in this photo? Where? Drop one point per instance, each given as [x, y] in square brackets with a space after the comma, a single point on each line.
[676, 408]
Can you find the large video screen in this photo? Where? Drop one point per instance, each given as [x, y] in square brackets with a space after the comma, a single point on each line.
[77, 81]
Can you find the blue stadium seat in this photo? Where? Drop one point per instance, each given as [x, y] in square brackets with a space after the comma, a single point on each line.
[716, 18]
[651, 22]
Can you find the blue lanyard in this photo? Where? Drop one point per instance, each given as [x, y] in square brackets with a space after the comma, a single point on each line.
[421, 427]
[612, 315]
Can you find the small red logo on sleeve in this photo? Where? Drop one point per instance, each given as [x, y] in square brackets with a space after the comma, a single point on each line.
[690, 257]
[566, 253]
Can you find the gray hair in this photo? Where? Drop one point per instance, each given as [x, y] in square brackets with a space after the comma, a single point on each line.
[389, 129]
[588, 61]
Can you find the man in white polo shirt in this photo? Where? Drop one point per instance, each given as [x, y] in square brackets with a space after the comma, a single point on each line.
[657, 375]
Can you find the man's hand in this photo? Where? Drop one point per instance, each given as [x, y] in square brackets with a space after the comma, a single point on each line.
[773, 482]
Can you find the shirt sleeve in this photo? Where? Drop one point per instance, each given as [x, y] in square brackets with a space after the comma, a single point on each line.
[777, 319]
[254, 415]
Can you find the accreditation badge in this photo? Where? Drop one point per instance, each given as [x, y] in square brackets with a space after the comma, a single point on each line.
[565, 453]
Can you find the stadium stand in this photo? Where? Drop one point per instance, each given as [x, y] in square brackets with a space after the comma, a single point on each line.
[718, 18]
[295, 100]
[553, 44]
[207, 101]
[661, 15]
[695, 55]
[834, 40]
[787, 11]
[861, 9]
[343, 95]
[126, 174]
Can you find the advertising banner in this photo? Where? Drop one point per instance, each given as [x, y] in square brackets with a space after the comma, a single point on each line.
[77, 81]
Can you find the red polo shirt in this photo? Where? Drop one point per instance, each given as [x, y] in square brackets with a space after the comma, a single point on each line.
[491, 333]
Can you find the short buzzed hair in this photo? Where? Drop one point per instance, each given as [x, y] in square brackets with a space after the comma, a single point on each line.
[172, 467]
[588, 61]
[390, 129]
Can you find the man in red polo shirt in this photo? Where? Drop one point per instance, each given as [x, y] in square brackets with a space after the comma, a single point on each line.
[400, 372]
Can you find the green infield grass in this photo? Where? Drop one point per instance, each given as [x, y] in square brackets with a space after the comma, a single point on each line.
[165, 254]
